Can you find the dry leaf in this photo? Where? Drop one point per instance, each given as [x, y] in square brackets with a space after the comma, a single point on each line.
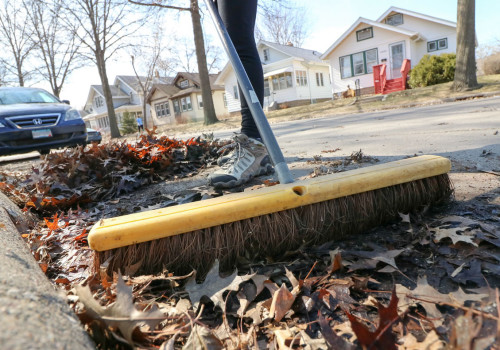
[431, 342]
[122, 314]
[452, 233]
[335, 341]
[282, 302]
[286, 339]
[202, 338]
[214, 286]
[382, 337]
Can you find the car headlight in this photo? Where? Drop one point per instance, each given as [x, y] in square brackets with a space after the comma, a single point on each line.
[72, 114]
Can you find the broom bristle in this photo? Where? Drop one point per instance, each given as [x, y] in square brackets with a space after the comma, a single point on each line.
[274, 234]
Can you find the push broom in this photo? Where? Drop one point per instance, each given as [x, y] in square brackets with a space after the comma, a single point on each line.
[268, 221]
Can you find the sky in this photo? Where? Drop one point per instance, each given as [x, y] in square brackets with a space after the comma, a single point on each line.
[327, 20]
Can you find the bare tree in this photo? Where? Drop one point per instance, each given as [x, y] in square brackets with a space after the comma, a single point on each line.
[282, 22]
[465, 70]
[208, 105]
[187, 59]
[149, 57]
[104, 24]
[15, 37]
[186, 55]
[56, 45]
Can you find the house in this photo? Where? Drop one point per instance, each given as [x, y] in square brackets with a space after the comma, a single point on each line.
[397, 35]
[181, 101]
[292, 76]
[127, 97]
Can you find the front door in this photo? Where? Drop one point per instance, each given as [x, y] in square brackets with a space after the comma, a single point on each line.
[397, 55]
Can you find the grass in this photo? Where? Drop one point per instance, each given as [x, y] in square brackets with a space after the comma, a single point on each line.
[420, 96]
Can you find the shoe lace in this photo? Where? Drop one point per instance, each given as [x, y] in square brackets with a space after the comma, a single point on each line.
[238, 146]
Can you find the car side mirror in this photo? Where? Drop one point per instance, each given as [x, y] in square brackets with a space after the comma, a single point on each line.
[66, 101]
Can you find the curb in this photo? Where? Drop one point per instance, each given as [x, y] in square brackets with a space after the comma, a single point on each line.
[34, 314]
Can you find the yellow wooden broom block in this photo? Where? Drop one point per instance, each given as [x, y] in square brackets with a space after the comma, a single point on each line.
[155, 224]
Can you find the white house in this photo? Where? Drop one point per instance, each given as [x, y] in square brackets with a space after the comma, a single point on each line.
[292, 76]
[398, 34]
[127, 97]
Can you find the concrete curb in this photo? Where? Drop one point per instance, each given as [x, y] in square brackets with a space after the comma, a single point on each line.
[34, 314]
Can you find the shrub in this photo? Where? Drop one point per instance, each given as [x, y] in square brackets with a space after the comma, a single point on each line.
[433, 69]
[491, 64]
[128, 125]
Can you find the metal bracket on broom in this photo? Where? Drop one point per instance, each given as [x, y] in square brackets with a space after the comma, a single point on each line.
[280, 166]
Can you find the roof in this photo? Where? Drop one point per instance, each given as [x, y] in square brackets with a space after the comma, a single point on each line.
[360, 20]
[293, 51]
[415, 14]
[196, 78]
[133, 81]
[115, 92]
[168, 89]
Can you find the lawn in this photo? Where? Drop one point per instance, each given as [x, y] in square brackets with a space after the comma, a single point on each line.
[440, 93]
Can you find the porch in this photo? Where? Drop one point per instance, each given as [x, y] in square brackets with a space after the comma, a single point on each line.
[384, 86]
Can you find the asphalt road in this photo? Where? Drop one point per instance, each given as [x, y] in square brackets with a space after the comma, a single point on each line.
[462, 131]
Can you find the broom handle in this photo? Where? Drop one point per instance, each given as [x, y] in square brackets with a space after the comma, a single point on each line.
[280, 166]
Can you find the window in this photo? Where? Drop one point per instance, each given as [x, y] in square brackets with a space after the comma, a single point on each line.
[281, 81]
[103, 122]
[371, 59]
[99, 101]
[186, 103]
[358, 63]
[267, 91]
[364, 34]
[266, 54]
[345, 67]
[162, 109]
[235, 92]
[442, 44]
[319, 79]
[224, 99]
[184, 84]
[200, 101]
[395, 19]
[177, 108]
[301, 77]
[439, 44]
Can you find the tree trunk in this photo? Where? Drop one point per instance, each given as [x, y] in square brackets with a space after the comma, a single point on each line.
[208, 104]
[20, 74]
[144, 110]
[465, 70]
[113, 125]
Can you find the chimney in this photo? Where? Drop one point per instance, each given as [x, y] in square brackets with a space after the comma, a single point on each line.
[157, 74]
[289, 43]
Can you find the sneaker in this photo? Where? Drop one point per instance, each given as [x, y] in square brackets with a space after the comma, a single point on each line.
[248, 159]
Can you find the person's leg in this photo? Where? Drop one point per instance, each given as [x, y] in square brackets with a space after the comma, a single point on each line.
[250, 157]
[239, 18]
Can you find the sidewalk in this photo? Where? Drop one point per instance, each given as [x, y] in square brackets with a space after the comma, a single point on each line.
[34, 314]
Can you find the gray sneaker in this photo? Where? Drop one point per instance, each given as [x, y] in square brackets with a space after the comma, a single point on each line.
[248, 159]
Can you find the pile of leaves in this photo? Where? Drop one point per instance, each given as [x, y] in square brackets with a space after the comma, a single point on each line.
[423, 283]
[427, 282]
[96, 173]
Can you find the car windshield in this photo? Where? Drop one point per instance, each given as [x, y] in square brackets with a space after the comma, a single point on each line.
[15, 96]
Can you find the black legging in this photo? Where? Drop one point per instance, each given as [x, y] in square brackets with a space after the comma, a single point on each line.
[239, 18]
